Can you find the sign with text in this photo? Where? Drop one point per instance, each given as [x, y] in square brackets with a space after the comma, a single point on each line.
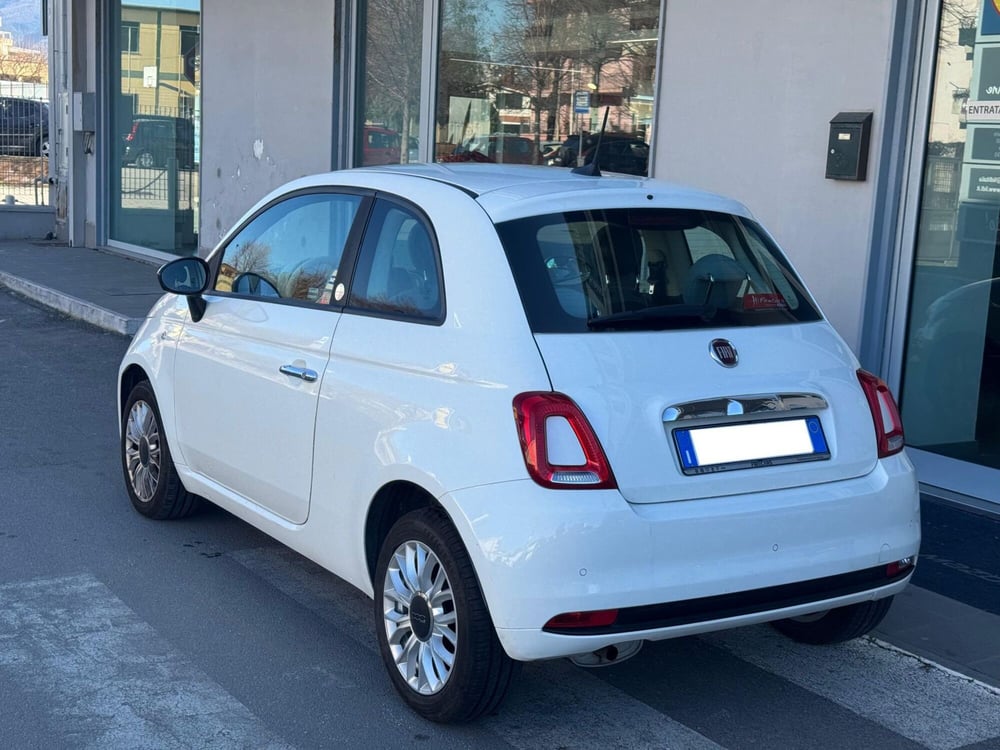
[981, 111]
[581, 102]
[985, 144]
[987, 68]
[984, 184]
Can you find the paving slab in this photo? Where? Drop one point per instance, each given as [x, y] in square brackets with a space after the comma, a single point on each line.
[945, 631]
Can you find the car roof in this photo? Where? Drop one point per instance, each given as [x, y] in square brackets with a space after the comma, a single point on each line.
[511, 191]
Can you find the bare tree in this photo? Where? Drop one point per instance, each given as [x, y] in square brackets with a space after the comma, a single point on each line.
[553, 46]
[393, 64]
[955, 16]
[24, 64]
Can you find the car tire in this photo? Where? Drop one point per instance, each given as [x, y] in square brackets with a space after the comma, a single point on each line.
[152, 482]
[145, 160]
[467, 671]
[835, 625]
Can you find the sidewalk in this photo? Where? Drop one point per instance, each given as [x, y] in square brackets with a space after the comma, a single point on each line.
[115, 293]
[104, 289]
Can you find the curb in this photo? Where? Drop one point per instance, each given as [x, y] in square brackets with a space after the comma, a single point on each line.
[71, 306]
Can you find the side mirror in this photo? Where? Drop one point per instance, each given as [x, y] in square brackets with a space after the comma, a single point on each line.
[189, 277]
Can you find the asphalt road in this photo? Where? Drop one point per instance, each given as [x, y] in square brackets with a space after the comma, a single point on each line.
[120, 632]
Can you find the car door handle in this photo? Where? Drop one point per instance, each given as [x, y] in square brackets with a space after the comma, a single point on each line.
[306, 374]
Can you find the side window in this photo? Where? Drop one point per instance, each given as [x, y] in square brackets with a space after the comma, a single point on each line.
[397, 270]
[290, 251]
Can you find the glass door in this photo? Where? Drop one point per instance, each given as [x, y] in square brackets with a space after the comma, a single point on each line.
[155, 124]
[950, 393]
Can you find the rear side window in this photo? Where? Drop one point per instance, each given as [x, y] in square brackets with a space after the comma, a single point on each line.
[397, 272]
[650, 269]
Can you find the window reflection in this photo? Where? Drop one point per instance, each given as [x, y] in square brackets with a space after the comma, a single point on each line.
[290, 251]
[389, 85]
[951, 382]
[521, 81]
[155, 105]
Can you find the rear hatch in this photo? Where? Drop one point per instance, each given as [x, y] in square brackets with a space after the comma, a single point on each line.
[638, 389]
[692, 348]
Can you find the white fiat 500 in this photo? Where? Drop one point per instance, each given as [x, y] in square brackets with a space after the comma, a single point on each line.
[532, 413]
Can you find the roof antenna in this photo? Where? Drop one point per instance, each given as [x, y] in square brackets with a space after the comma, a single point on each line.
[592, 169]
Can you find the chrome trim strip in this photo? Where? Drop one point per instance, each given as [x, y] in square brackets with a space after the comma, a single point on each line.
[734, 406]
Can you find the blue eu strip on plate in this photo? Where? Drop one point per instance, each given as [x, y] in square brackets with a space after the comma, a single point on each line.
[746, 445]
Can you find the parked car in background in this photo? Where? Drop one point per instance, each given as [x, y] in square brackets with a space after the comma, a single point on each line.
[629, 155]
[623, 155]
[380, 145]
[532, 413]
[499, 148]
[152, 140]
[24, 126]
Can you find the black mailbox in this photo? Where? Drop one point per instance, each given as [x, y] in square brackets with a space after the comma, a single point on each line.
[847, 154]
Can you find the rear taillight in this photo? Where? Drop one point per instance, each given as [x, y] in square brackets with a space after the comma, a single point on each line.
[885, 414]
[900, 567]
[131, 135]
[560, 448]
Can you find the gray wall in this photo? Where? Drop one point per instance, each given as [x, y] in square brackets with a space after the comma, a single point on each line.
[746, 97]
[267, 87]
[27, 222]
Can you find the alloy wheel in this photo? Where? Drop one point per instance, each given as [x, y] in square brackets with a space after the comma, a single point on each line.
[142, 450]
[420, 619]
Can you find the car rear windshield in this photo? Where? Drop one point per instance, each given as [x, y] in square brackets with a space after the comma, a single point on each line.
[650, 269]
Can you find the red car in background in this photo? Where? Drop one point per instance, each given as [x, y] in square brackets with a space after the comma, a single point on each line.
[379, 146]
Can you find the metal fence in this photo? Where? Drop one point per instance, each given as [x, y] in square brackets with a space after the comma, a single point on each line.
[24, 146]
[168, 186]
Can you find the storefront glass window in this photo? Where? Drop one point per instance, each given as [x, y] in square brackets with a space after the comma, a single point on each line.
[519, 81]
[388, 122]
[155, 124]
[951, 381]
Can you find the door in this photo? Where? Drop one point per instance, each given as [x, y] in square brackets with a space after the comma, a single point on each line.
[247, 375]
[950, 395]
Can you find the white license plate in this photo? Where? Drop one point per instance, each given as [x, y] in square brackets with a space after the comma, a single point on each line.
[706, 450]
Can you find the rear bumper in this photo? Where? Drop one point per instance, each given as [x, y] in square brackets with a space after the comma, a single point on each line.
[539, 553]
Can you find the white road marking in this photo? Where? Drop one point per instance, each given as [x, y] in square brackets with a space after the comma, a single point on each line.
[553, 704]
[906, 694]
[109, 677]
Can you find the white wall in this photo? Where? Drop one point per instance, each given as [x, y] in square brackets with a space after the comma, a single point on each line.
[746, 95]
[267, 83]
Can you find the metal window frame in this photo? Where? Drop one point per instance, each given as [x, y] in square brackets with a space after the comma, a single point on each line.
[906, 123]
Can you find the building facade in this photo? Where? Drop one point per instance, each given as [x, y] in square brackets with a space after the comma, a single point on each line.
[174, 116]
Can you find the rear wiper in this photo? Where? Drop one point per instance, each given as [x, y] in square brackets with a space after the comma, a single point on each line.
[663, 315]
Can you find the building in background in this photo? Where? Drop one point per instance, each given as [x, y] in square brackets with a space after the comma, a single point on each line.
[866, 135]
[24, 121]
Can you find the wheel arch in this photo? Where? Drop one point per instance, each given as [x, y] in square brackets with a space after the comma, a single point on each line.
[130, 377]
[393, 501]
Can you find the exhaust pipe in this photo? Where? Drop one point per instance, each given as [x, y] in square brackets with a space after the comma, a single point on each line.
[616, 653]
